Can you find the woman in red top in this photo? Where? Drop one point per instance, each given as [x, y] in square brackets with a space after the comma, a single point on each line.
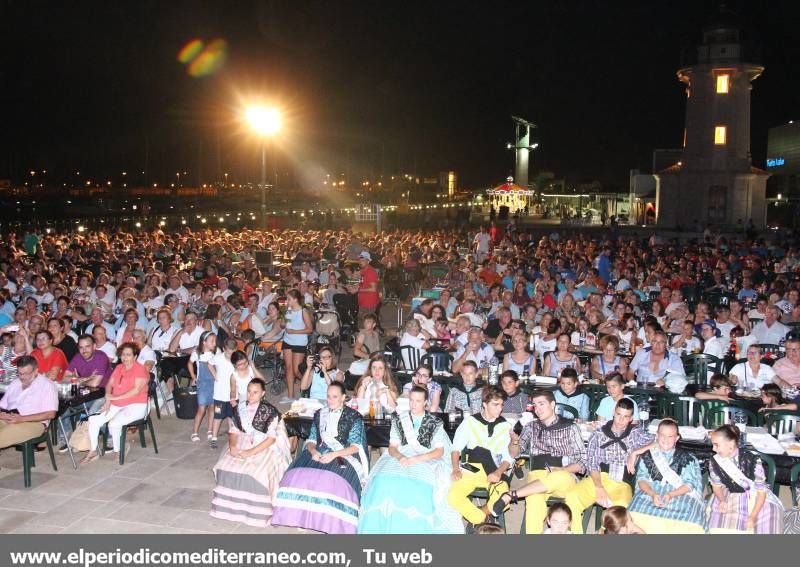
[51, 360]
[126, 399]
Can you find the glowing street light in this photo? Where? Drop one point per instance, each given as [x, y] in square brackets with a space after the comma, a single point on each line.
[265, 122]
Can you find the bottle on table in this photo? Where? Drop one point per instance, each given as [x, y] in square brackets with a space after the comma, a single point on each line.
[493, 371]
[644, 412]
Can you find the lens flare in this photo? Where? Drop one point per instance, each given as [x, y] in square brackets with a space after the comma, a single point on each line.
[210, 60]
[190, 51]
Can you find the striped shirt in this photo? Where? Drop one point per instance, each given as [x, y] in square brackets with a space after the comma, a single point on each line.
[562, 438]
[458, 399]
[602, 451]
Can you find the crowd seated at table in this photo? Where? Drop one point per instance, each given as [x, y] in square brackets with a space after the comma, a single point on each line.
[714, 317]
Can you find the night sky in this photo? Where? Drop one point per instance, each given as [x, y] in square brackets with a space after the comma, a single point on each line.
[367, 86]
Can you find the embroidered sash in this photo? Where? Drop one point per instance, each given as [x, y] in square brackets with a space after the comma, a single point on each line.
[669, 474]
[733, 472]
[408, 432]
[361, 464]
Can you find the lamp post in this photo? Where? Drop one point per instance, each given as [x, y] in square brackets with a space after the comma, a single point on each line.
[265, 122]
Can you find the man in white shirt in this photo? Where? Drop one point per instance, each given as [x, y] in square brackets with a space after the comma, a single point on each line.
[467, 308]
[307, 273]
[713, 345]
[481, 243]
[177, 288]
[770, 330]
[475, 350]
[723, 322]
[222, 289]
[462, 327]
[676, 302]
[97, 318]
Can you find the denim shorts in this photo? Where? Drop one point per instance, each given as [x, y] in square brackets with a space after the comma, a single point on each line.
[222, 410]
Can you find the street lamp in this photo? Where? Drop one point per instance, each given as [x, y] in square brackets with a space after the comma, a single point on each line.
[265, 122]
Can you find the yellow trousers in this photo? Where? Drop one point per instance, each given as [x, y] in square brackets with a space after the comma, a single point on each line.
[459, 499]
[584, 495]
[558, 484]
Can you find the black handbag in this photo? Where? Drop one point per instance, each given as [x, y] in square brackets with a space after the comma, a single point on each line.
[185, 403]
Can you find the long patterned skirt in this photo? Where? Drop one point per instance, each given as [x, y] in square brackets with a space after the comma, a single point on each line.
[770, 519]
[320, 497]
[246, 488]
[408, 500]
[684, 514]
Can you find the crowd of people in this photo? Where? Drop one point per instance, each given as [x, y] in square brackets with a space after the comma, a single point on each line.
[123, 311]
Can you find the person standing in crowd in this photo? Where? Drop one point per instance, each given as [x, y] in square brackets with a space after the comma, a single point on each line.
[203, 359]
[223, 371]
[295, 339]
[367, 289]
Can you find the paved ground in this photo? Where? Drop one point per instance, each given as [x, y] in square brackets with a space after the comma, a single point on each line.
[168, 492]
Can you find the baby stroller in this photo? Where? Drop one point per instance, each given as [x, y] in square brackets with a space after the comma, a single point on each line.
[268, 358]
[346, 305]
[326, 329]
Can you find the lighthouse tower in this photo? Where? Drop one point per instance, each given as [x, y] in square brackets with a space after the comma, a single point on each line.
[715, 182]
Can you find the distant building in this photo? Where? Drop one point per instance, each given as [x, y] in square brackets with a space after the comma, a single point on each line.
[642, 187]
[715, 183]
[448, 183]
[664, 158]
[783, 163]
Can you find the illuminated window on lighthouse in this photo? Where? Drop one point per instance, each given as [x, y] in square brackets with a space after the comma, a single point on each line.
[723, 84]
[719, 135]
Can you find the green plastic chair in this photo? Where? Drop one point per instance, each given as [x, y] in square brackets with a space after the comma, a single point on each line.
[717, 416]
[794, 474]
[780, 422]
[28, 449]
[564, 408]
[769, 470]
[685, 410]
[139, 424]
[698, 365]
